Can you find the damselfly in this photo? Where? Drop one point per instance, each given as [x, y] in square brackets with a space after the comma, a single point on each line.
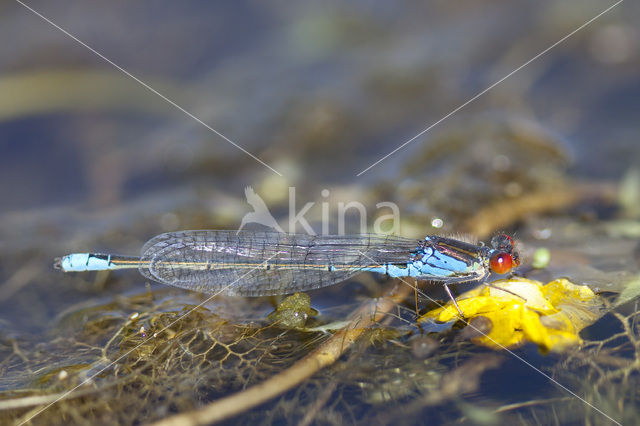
[272, 263]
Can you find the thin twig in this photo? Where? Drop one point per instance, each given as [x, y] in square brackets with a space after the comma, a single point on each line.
[320, 402]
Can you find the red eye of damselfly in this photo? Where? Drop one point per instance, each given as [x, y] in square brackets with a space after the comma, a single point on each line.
[501, 263]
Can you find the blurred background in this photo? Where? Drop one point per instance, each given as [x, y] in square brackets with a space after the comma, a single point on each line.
[93, 161]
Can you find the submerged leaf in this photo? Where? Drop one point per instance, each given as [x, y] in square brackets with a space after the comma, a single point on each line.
[522, 310]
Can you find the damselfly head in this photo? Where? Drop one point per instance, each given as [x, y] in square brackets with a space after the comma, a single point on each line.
[503, 257]
[502, 242]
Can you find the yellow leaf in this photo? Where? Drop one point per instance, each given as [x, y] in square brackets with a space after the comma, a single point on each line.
[522, 310]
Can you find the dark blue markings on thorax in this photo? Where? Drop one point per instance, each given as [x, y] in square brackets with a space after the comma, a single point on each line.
[438, 263]
[415, 268]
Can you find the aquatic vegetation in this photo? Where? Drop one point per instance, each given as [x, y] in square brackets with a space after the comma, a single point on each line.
[294, 311]
[92, 161]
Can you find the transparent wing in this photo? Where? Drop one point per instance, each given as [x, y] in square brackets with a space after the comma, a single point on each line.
[265, 263]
